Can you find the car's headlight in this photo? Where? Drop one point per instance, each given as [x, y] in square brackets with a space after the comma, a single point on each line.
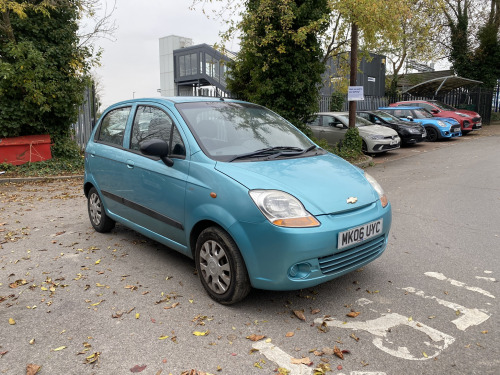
[282, 209]
[376, 137]
[442, 124]
[378, 189]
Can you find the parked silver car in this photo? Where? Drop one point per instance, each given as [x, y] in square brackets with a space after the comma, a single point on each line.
[332, 127]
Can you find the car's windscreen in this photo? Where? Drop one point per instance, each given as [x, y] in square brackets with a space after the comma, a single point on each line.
[386, 116]
[422, 113]
[444, 107]
[229, 131]
[360, 121]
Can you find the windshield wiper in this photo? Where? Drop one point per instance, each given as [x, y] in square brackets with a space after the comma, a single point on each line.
[274, 152]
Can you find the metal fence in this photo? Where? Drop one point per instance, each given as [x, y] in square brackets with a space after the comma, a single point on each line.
[86, 118]
[478, 100]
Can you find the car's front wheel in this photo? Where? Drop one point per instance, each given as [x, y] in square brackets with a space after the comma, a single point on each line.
[98, 218]
[221, 267]
[432, 134]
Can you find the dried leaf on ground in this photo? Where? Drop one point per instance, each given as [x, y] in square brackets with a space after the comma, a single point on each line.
[353, 314]
[338, 352]
[300, 314]
[254, 337]
[198, 333]
[137, 368]
[290, 334]
[354, 337]
[32, 369]
[301, 361]
[12, 321]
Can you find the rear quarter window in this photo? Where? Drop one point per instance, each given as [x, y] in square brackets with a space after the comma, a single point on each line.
[112, 129]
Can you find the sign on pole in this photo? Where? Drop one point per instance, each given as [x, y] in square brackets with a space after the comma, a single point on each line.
[355, 93]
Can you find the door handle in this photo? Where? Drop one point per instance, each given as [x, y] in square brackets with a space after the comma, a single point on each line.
[130, 164]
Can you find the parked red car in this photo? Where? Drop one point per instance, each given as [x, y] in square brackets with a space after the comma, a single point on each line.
[469, 120]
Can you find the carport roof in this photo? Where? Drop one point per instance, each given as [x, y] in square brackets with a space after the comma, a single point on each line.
[441, 84]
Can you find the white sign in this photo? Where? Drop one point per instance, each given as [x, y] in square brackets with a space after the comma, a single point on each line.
[371, 79]
[355, 93]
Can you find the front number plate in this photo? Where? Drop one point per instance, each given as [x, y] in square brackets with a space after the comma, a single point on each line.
[360, 233]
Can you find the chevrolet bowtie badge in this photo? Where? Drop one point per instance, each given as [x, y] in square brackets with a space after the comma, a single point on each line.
[352, 200]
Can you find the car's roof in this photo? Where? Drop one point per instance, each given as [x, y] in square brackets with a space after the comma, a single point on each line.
[176, 99]
[418, 101]
[401, 107]
[333, 113]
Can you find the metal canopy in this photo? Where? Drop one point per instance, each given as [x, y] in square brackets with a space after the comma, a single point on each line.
[441, 84]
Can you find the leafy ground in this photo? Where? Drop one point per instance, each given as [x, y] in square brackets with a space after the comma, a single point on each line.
[52, 167]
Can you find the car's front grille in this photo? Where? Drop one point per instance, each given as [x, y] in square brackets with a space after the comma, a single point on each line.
[349, 258]
[476, 119]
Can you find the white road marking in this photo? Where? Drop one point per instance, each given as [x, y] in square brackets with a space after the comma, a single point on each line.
[442, 277]
[488, 271]
[380, 327]
[281, 358]
[486, 278]
[469, 317]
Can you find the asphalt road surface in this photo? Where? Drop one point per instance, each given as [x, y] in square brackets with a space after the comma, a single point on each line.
[74, 301]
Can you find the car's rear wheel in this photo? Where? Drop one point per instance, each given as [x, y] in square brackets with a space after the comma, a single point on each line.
[100, 221]
[221, 267]
[432, 134]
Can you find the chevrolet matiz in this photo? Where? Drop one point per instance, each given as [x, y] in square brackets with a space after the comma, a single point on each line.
[238, 189]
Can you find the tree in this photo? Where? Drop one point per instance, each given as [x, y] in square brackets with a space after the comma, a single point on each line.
[44, 68]
[474, 48]
[279, 63]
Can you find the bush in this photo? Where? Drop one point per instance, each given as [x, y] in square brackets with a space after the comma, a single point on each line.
[337, 102]
[350, 149]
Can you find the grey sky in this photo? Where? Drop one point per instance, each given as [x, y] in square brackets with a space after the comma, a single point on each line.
[130, 64]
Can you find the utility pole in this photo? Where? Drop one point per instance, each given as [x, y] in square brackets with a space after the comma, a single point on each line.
[354, 72]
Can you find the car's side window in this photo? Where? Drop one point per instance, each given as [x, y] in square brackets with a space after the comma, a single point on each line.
[151, 122]
[315, 122]
[330, 121]
[113, 126]
[364, 115]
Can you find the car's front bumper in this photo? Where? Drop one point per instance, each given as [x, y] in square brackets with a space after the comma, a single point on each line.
[295, 258]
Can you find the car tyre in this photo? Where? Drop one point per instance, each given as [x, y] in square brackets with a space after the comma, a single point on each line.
[101, 222]
[432, 134]
[221, 267]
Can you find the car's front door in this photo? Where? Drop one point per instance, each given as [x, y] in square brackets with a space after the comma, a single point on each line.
[333, 130]
[155, 192]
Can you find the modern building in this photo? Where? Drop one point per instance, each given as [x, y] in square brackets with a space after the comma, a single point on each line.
[192, 70]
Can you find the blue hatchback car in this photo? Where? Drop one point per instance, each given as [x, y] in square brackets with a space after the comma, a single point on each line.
[436, 127]
[237, 188]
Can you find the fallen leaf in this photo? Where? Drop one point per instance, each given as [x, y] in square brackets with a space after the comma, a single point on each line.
[353, 314]
[300, 314]
[163, 337]
[12, 321]
[338, 352]
[339, 367]
[354, 337]
[97, 261]
[425, 354]
[92, 358]
[59, 348]
[254, 337]
[315, 311]
[137, 368]
[290, 334]
[32, 341]
[484, 332]
[198, 333]
[3, 353]
[32, 369]
[301, 361]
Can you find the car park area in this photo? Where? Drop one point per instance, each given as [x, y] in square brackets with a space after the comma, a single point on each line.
[74, 301]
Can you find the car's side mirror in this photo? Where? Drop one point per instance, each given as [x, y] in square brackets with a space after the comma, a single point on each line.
[434, 111]
[157, 147]
[340, 126]
[409, 118]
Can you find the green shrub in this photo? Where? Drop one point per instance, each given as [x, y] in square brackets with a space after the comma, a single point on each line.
[349, 149]
[337, 102]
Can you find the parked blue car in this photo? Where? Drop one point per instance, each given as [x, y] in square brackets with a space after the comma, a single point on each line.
[237, 188]
[436, 127]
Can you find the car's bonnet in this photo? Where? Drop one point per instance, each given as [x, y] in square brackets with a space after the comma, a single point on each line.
[376, 130]
[322, 183]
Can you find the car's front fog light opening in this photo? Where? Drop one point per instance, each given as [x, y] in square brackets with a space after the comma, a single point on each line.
[299, 271]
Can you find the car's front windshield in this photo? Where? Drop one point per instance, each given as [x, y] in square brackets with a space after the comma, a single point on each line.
[228, 131]
[386, 116]
[360, 121]
[444, 106]
[422, 113]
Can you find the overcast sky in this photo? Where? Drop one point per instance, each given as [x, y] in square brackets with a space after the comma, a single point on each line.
[131, 63]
